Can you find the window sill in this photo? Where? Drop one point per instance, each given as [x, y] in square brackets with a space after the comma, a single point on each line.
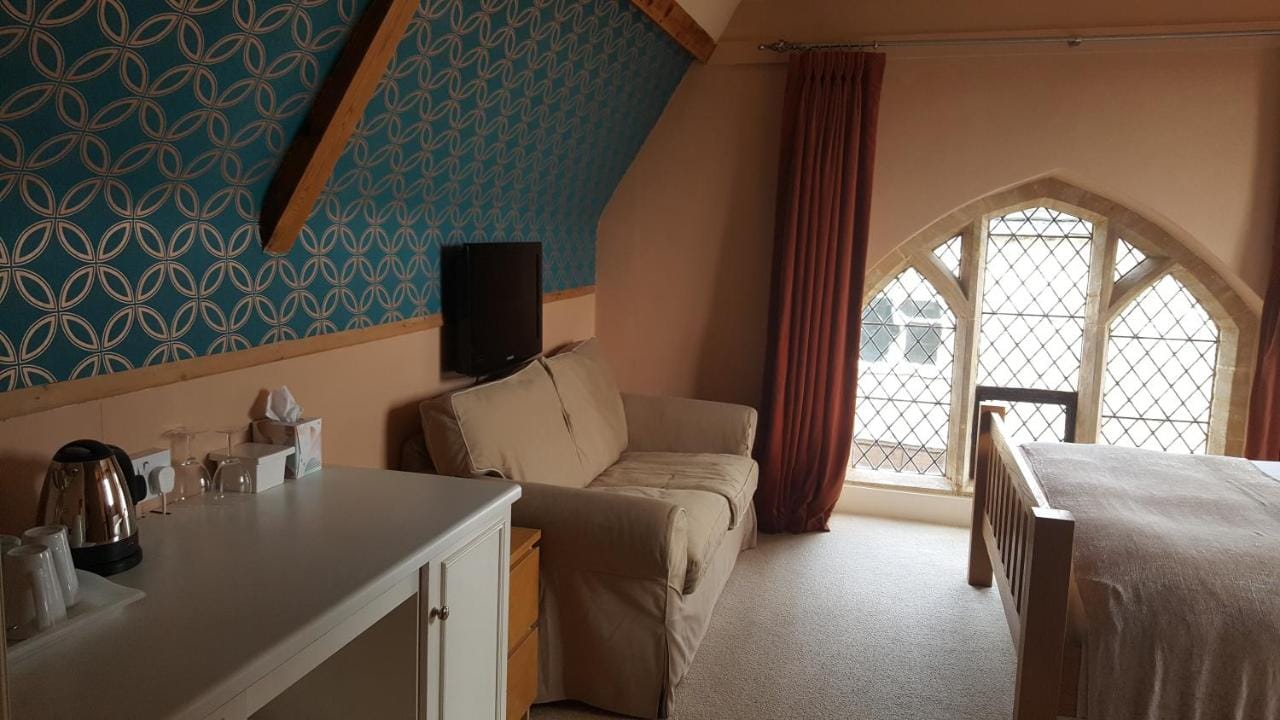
[908, 482]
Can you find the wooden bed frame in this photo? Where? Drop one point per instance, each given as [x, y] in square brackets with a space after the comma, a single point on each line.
[1026, 545]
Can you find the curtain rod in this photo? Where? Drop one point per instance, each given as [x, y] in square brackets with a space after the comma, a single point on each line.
[784, 46]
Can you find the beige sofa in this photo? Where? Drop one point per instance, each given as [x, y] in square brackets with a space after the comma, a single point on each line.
[644, 504]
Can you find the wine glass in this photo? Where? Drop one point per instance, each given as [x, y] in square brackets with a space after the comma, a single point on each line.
[231, 476]
[192, 477]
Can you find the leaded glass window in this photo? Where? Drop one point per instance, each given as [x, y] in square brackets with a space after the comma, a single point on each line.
[903, 408]
[1033, 307]
[1033, 304]
[1161, 361]
[1128, 257]
[1034, 422]
[1127, 357]
[948, 253]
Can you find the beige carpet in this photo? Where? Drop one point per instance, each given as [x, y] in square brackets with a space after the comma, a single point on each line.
[872, 621]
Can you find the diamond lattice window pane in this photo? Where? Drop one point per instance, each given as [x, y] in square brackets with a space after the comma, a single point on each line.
[1033, 305]
[948, 253]
[1161, 361]
[1128, 257]
[1035, 422]
[903, 408]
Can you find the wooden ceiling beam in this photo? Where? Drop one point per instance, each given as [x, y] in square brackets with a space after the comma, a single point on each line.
[680, 26]
[338, 106]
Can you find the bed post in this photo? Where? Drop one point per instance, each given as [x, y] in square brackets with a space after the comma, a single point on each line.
[1044, 616]
[979, 560]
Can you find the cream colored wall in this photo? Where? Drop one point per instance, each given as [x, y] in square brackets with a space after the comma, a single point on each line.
[682, 264]
[1186, 133]
[838, 20]
[367, 394]
[712, 15]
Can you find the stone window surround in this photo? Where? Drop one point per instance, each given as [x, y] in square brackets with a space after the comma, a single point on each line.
[1237, 320]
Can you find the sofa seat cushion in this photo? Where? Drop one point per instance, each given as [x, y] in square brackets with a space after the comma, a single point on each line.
[512, 428]
[732, 477]
[707, 523]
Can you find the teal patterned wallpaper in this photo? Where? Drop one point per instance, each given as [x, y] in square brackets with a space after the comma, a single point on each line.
[137, 138]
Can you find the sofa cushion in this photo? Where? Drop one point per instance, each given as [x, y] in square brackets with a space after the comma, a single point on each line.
[732, 477]
[512, 428]
[592, 405]
[707, 523]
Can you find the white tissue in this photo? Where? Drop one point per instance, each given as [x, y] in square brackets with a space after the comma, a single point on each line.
[281, 406]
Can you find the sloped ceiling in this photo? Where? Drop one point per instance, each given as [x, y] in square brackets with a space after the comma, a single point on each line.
[137, 139]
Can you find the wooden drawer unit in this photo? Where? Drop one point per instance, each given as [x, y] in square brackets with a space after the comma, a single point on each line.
[522, 614]
[522, 678]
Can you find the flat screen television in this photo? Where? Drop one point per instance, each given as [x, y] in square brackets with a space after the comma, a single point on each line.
[492, 301]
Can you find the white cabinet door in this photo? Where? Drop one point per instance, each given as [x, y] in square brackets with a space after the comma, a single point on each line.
[468, 625]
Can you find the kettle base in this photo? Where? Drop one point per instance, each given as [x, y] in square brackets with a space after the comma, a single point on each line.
[115, 566]
[109, 558]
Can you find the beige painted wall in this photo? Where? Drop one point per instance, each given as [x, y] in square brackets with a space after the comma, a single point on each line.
[712, 15]
[1187, 134]
[682, 264]
[367, 394]
[837, 20]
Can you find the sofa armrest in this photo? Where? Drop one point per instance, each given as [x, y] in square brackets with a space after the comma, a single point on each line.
[414, 456]
[669, 424]
[595, 530]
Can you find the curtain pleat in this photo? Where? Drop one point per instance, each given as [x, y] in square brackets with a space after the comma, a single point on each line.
[1263, 440]
[820, 252]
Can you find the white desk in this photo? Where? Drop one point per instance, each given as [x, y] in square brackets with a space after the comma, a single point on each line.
[245, 598]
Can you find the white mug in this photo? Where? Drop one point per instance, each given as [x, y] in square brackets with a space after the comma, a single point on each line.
[32, 594]
[54, 537]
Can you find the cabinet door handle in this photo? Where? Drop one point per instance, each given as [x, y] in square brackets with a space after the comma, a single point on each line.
[441, 612]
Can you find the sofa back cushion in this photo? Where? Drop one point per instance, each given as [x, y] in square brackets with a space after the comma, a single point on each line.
[512, 428]
[592, 405]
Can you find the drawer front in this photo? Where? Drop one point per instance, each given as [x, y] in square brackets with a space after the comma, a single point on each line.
[522, 677]
[523, 610]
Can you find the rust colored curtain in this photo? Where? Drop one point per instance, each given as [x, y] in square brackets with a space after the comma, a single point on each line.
[819, 259]
[1263, 441]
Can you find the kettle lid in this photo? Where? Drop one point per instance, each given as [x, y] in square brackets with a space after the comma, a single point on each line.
[82, 451]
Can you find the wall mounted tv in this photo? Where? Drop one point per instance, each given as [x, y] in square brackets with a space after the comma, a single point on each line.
[492, 302]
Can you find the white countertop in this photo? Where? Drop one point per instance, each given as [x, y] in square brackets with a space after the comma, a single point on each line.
[233, 589]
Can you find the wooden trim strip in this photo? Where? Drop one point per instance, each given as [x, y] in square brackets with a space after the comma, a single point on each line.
[680, 26]
[27, 401]
[338, 106]
[569, 294]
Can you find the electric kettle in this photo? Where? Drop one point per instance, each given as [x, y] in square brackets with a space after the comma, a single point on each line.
[91, 488]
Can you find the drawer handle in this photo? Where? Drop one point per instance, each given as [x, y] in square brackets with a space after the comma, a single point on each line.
[441, 612]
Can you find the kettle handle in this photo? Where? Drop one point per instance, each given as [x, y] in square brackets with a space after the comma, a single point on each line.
[136, 483]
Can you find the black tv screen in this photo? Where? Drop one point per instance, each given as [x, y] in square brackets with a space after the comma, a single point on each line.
[492, 300]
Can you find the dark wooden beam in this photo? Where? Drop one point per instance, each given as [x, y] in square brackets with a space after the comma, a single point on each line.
[680, 26]
[338, 106]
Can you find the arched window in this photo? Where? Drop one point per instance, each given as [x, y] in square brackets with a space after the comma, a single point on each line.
[1089, 321]
[904, 379]
[1033, 311]
[1161, 360]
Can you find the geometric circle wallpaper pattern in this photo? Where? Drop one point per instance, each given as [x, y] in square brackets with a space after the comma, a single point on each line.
[137, 138]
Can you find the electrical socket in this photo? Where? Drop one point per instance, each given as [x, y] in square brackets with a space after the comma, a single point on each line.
[148, 460]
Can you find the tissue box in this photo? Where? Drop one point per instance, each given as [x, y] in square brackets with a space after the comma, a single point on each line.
[302, 435]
